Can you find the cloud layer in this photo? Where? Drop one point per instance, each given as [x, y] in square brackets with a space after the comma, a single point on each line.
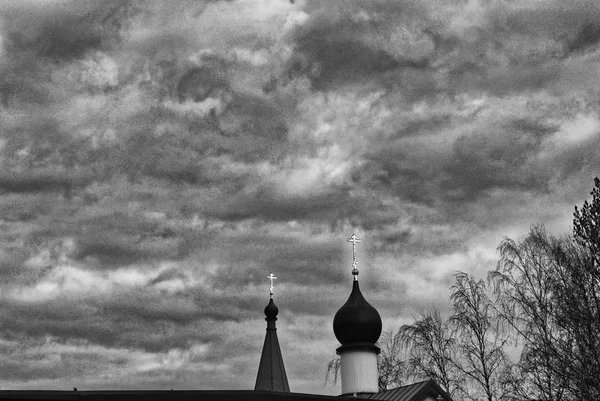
[160, 159]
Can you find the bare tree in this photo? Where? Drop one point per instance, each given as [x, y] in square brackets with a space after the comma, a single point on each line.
[481, 342]
[526, 286]
[581, 308]
[333, 368]
[429, 342]
[392, 366]
[586, 224]
[548, 291]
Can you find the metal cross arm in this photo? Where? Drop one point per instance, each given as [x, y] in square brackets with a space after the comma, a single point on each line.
[354, 241]
[271, 277]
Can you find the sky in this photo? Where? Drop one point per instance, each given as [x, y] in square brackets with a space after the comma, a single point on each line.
[160, 158]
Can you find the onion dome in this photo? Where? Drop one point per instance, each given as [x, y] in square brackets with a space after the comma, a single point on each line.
[357, 321]
[271, 310]
[357, 325]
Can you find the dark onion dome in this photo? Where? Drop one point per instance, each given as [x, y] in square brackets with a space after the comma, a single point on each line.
[357, 321]
[271, 311]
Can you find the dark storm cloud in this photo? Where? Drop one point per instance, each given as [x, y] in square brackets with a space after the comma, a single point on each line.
[10, 264]
[18, 370]
[257, 126]
[20, 87]
[391, 171]
[268, 204]
[587, 39]
[110, 250]
[248, 129]
[500, 157]
[27, 361]
[578, 159]
[203, 81]
[100, 238]
[62, 318]
[503, 49]
[40, 181]
[118, 239]
[329, 62]
[171, 75]
[133, 319]
[571, 24]
[35, 139]
[517, 48]
[144, 155]
[335, 204]
[311, 300]
[40, 156]
[500, 49]
[26, 207]
[38, 38]
[342, 47]
[66, 32]
[518, 155]
[294, 258]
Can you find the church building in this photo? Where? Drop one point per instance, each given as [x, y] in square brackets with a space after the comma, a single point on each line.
[357, 326]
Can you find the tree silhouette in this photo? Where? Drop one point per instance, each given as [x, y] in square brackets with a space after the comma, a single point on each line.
[481, 342]
[548, 291]
[430, 344]
[586, 223]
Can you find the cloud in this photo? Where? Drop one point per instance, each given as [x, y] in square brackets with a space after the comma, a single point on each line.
[64, 30]
[342, 44]
[496, 157]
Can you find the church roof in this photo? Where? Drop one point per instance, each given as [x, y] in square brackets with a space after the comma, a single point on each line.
[412, 392]
[160, 395]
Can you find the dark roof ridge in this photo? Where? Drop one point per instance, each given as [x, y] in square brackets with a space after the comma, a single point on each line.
[160, 395]
[410, 392]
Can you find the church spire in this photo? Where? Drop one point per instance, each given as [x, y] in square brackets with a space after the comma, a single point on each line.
[271, 372]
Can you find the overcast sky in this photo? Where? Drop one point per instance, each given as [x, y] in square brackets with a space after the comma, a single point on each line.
[160, 158]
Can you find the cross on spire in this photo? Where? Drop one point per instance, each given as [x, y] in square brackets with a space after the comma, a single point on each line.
[354, 241]
[271, 277]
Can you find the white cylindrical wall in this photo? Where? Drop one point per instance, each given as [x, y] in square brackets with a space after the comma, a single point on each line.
[359, 371]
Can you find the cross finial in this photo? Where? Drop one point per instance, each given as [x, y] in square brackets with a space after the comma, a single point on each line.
[271, 277]
[354, 241]
[439, 398]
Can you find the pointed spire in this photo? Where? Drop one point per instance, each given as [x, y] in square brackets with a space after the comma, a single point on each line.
[271, 372]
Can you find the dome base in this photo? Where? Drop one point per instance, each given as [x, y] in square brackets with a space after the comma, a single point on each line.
[358, 347]
[359, 370]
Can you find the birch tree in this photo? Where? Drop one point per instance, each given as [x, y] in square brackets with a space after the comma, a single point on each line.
[430, 345]
[481, 340]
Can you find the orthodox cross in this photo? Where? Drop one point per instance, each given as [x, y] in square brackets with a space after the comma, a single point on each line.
[271, 277]
[354, 241]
